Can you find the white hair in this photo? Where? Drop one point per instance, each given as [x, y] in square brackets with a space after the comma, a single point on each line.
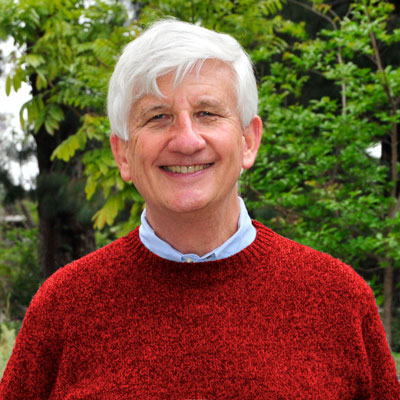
[175, 46]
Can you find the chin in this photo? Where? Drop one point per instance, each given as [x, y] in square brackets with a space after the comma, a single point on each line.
[187, 205]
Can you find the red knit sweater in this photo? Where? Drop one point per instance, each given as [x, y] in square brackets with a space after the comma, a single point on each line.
[276, 321]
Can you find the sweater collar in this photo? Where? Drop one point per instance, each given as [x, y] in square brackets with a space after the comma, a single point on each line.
[242, 238]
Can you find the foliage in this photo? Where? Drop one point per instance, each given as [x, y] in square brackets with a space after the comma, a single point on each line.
[315, 174]
[250, 21]
[68, 49]
[315, 179]
[75, 40]
[19, 270]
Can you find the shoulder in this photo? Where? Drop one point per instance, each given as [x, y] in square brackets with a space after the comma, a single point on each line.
[313, 270]
[93, 272]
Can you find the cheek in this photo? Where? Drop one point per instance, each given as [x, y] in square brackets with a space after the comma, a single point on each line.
[234, 146]
[132, 156]
[238, 154]
[229, 138]
[144, 155]
[137, 150]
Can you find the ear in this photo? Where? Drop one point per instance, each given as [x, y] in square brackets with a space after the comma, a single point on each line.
[119, 149]
[252, 138]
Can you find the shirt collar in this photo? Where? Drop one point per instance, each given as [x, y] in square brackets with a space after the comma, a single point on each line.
[243, 237]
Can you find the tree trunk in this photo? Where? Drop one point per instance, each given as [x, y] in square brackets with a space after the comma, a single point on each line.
[63, 236]
[62, 241]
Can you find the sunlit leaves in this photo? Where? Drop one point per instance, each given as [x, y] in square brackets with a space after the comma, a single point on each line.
[33, 60]
[70, 146]
[67, 50]
[108, 213]
[8, 85]
[72, 44]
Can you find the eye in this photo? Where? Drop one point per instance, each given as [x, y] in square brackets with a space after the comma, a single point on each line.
[206, 114]
[157, 117]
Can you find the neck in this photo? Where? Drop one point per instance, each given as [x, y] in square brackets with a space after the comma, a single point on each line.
[197, 232]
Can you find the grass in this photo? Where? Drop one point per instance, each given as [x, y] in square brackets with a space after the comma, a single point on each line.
[396, 357]
[7, 340]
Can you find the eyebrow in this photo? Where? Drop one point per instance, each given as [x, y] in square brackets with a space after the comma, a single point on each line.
[213, 103]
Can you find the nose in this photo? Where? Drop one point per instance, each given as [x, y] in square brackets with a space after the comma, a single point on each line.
[184, 138]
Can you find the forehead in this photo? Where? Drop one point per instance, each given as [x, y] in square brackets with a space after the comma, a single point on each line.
[210, 83]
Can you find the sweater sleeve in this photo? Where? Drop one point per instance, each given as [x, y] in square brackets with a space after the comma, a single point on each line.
[32, 369]
[384, 380]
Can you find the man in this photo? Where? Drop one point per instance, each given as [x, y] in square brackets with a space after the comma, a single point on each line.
[200, 302]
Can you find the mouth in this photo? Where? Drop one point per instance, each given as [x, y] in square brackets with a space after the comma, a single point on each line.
[185, 169]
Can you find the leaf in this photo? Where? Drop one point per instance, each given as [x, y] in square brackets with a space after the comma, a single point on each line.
[56, 113]
[41, 82]
[39, 121]
[69, 147]
[107, 214]
[8, 85]
[21, 115]
[17, 79]
[90, 187]
[32, 110]
[50, 126]
[34, 60]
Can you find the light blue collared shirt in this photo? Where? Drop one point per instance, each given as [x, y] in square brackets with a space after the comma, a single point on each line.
[243, 237]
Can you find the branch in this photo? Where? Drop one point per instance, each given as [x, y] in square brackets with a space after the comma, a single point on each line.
[394, 134]
[381, 69]
[395, 157]
[394, 209]
[374, 269]
[339, 56]
[103, 63]
[343, 85]
[312, 9]
[396, 102]
[27, 214]
[371, 58]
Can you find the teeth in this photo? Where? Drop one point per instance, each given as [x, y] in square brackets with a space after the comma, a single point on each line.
[183, 169]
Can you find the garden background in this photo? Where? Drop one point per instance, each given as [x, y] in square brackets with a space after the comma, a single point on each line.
[327, 174]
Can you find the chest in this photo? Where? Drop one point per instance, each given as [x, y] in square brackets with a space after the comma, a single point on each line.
[201, 343]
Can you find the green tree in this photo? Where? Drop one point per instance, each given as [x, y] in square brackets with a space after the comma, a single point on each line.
[316, 180]
[66, 49]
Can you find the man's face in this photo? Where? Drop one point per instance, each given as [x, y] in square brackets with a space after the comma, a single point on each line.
[186, 150]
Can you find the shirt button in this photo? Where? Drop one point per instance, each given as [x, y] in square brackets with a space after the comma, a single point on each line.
[188, 260]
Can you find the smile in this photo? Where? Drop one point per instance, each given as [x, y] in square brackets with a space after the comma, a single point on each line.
[185, 169]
